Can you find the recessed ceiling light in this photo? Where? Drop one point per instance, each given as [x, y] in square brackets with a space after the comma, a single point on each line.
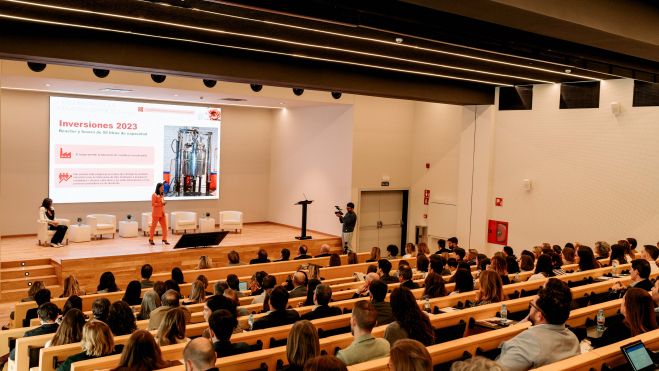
[115, 90]
[176, 95]
[281, 103]
[567, 70]
[48, 85]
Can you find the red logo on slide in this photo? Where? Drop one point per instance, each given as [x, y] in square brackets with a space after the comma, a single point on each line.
[214, 114]
[63, 154]
[64, 177]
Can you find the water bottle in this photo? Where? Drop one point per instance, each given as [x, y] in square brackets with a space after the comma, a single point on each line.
[600, 320]
[250, 321]
[504, 314]
[426, 304]
[614, 267]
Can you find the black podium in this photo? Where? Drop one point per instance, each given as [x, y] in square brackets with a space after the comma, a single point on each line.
[304, 204]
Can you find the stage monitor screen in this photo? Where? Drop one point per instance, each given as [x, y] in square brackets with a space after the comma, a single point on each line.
[110, 150]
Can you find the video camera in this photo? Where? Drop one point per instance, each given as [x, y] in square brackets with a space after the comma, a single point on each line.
[338, 211]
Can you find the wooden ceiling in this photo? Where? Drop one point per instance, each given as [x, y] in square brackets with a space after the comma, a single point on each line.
[385, 48]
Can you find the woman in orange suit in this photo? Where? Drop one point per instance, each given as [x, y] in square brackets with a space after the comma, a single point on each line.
[158, 214]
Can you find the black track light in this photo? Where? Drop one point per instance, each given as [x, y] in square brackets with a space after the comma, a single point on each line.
[298, 91]
[256, 87]
[336, 94]
[101, 73]
[210, 83]
[158, 78]
[36, 67]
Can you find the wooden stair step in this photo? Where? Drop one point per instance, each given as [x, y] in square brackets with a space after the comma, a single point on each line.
[15, 295]
[19, 263]
[27, 271]
[24, 282]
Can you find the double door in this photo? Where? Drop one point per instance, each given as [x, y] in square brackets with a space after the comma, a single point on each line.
[383, 219]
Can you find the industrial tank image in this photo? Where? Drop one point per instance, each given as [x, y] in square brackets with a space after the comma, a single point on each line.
[191, 158]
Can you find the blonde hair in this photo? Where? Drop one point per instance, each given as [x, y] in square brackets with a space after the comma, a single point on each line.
[197, 292]
[303, 343]
[537, 251]
[205, 262]
[172, 327]
[375, 253]
[477, 363]
[314, 271]
[423, 249]
[150, 302]
[410, 355]
[97, 339]
[36, 286]
[71, 287]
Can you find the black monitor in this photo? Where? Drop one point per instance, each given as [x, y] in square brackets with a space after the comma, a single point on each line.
[194, 240]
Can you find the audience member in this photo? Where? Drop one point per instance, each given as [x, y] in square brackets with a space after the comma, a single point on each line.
[557, 264]
[256, 283]
[639, 274]
[269, 282]
[434, 286]
[285, 255]
[631, 242]
[197, 294]
[587, 259]
[145, 272]
[71, 287]
[409, 355]
[47, 313]
[172, 328]
[70, 330]
[378, 292]
[602, 249]
[302, 345]
[261, 257]
[101, 309]
[204, 280]
[219, 287]
[637, 317]
[375, 255]
[363, 290]
[464, 282]
[537, 251]
[36, 286]
[133, 293]
[169, 300]
[302, 253]
[384, 267]
[150, 302]
[233, 296]
[160, 288]
[392, 252]
[325, 363]
[234, 259]
[491, 289]
[526, 263]
[335, 260]
[314, 272]
[411, 322]
[299, 285]
[365, 346]
[321, 298]
[441, 246]
[459, 253]
[142, 353]
[405, 278]
[172, 285]
[410, 251]
[472, 257]
[121, 319]
[311, 291]
[73, 302]
[216, 303]
[234, 283]
[177, 275]
[568, 255]
[650, 253]
[279, 315]
[41, 297]
[352, 258]
[477, 363]
[483, 263]
[97, 341]
[617, 255]
[498, 264]
[422, 249]
[422, 265]
[452, 243]
[199, 355]
[205, 262]
[106, 283]
[543, 268]
[324, 251]
[548, 313]
[222, 323]
[508, 251]
[512, 266]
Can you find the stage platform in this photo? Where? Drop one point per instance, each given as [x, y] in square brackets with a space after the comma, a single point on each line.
[124, 256]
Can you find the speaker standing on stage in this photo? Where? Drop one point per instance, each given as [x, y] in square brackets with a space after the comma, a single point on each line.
[349, 220]
[47, 214]
[158, 214]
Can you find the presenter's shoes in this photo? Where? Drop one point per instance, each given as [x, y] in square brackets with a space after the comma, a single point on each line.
[151, 242]
[60, 245]
[54, 245]
[165, 242]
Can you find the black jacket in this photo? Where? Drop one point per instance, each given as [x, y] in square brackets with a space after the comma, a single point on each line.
[259, 261]
[227, 348]
[322, 312]
[277, 318]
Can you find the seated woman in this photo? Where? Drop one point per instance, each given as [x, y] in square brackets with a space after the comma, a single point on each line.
[498, 264]
[97, 341]
[172, 328]
[133, 293]
[491, 288]
[434, 286]
[464, 281]
[302, 345]
[543, 268]
[617, 255]
[47, 215]
[587, 259]
[150, 302]
[70, 330]
[142, 353]
[375, 255]
[410, 251]
[638, 317]
[71, 287]
[411, 322]
[197, 294]
[106, 283]
[121, 319]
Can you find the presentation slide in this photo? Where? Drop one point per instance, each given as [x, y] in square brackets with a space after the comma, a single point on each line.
[109, 151]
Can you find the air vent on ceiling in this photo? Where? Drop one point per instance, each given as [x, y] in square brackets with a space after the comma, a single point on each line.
[233, 99]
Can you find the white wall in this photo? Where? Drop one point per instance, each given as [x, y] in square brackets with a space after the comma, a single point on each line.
[595, 176]
[245, 153]
[311, 153]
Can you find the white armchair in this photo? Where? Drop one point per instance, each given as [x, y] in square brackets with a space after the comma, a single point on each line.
[183, 220]
[231, 220]
[44, 235]
[146, 223]
[102, 224]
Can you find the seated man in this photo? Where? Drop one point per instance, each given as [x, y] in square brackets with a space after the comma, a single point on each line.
[378, 292]
[269, 283]
[302, 253]
[234, 259]
[384, 267]
[41, 297]
[405, 277]
[169, 300]
[363, 291]
[322, 297]
[324, 251]
[640, 275]
[199, 355]
[299, 285]
[365, 346]
[146, 272]
[279, 315]
[651, 253]
[548, 340]
[234, 284]
[285, 255]
[48, 313]
[262, 257]
[221, 324]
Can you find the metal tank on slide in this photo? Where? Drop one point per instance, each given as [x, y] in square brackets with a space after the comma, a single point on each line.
[191, 174]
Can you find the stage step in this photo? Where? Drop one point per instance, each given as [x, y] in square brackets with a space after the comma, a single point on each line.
[24, 263]
[18, 294]
[25, 282]
[27, 271]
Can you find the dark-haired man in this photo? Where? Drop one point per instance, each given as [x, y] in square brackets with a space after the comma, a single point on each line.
[405, 277]
[146, 272]
[651, 253]
[321, 297]
[285, 255]
[349, 220]
[548, 340]
[269, 282]
[639, 274]
[42, 296]
[279, 315]
[378, 292]
[384, 267]
[441, 246]
[47, 313]
[302, 253]
[221, 324]
[365, 346]
[262, 257]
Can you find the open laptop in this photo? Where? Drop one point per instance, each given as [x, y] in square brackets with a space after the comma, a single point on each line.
[638, 356]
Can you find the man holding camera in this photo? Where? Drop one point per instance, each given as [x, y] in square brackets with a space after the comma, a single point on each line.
[349, 219]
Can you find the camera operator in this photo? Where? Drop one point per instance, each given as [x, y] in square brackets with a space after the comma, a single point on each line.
[348, 220]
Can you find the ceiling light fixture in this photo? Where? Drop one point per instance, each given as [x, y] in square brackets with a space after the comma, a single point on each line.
[256, 87]
[336, 94]
[36, 67]
[101, 73]
[157, 78]
[210, 83]
[298, 91]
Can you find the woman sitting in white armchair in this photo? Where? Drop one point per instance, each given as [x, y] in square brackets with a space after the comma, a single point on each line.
[47, 215]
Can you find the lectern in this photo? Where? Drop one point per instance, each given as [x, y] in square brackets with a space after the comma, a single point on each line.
[304, 204]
